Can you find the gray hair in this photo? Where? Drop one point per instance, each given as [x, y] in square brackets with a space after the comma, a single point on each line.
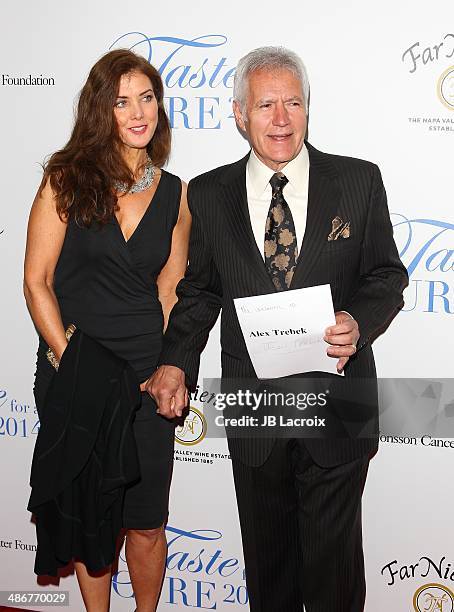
[268, 58]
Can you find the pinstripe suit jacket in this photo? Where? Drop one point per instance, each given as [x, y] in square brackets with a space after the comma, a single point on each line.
[365, 273]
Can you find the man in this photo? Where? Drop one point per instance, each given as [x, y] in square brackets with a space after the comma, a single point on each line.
[299, 500]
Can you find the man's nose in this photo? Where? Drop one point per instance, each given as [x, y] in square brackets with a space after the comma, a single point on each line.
[280, 116]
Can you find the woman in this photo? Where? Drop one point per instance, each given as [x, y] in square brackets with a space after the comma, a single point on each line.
[107, 243]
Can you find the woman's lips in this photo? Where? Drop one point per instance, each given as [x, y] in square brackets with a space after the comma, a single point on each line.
[139, 129]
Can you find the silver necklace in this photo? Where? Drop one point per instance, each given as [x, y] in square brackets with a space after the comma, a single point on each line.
[141, 184]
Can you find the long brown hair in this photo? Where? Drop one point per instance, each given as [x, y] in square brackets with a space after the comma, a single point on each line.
[82, 174]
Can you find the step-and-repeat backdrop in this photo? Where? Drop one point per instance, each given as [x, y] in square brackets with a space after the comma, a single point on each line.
[382, 88]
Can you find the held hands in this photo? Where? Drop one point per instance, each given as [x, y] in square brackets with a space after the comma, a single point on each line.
[167, 387]
[343, 338]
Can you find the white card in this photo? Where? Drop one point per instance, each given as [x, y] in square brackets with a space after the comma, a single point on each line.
[284, 331]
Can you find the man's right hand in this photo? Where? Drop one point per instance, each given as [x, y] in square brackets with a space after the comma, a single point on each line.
[167, 386]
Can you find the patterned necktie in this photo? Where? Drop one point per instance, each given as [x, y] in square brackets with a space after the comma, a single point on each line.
[281, 249]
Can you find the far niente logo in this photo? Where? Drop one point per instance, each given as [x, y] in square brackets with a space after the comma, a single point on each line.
[445, 88]
[433, 598]
[193, 429]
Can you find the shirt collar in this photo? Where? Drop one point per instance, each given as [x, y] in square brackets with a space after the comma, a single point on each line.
[296, 171]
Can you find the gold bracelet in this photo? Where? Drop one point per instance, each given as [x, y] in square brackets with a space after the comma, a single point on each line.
[50, 354]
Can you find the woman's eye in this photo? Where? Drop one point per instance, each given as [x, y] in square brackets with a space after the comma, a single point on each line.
[120, 103]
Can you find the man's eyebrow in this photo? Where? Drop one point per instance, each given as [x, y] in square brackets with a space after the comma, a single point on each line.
[272, 99]
[264, 100]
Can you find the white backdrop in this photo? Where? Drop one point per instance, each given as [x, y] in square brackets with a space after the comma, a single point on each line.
[374, 72]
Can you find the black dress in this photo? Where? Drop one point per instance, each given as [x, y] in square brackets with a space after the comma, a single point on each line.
[106, 286]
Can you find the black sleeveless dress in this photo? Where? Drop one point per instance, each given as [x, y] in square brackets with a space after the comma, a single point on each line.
[106, 286]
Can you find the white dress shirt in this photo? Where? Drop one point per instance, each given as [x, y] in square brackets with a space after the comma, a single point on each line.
[295, 193]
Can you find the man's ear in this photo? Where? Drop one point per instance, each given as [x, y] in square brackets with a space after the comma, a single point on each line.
[239, 116]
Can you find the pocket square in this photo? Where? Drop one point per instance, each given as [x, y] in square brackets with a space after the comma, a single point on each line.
[339, 228]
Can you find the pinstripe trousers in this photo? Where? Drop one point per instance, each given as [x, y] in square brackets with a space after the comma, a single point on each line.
[301, 531]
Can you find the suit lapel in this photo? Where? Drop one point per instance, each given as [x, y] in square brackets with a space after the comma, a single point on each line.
[323, 202]
[233, 190]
